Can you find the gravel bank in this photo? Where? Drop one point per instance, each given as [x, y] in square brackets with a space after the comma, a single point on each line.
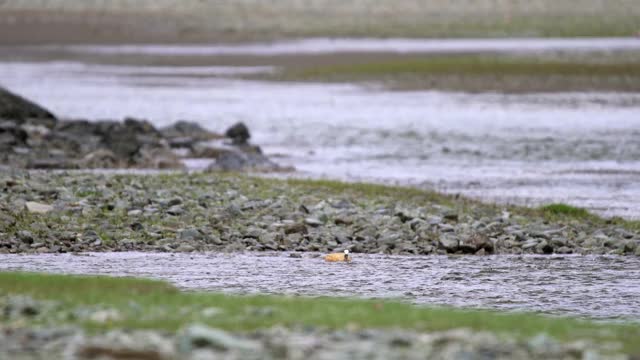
[184, 212]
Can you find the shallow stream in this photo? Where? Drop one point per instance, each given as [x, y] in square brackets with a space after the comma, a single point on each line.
[591, 286]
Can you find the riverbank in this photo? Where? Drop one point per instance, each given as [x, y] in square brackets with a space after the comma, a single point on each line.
[185, 212]
[122, 317]
[35, 22]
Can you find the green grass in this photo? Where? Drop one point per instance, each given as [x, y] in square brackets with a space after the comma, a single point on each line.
[138, 300]
[566, 210]
[475, 65]
[586, 72]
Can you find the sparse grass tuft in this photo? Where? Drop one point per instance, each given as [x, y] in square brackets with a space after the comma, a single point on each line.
[566, 210]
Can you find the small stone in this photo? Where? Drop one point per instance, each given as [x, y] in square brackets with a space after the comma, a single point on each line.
[630, 246]
[314, 222]
[449, 243]
[38, 208]
[451, 216]
[175, 210]
[200, 336]
[297, 228]
[295, 255]
[185, 248]
[529, 244]
[133, 213]
[189, 234]
[564, 250]
[105, 316]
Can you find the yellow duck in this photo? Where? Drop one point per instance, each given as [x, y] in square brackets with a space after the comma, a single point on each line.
[338, 257]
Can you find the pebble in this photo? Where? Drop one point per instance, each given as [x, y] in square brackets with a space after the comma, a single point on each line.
[37, 208]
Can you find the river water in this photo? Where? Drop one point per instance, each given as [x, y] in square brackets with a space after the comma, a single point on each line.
[590, 286]
[578, 148]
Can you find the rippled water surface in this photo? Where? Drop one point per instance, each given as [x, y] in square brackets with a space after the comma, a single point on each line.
[578, 148]
[600, 287]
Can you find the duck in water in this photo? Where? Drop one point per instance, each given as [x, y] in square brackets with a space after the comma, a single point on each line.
[338, 257]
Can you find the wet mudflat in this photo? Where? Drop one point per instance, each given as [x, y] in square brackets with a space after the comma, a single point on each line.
[605, 287]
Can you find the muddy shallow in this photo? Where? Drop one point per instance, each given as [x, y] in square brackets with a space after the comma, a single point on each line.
[591, 286]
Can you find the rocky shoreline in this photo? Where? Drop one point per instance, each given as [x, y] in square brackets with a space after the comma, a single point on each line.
[57, 212]
[32, 137]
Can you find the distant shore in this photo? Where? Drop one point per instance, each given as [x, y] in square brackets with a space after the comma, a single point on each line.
[31, 22]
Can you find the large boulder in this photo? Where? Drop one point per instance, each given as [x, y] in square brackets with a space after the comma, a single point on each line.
[15, 107]
[185, 134]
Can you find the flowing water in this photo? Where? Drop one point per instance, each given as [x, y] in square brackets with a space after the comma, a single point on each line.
[578, 148]
[590, 286]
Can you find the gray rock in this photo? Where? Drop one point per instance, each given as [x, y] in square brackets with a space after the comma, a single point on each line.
[629, 246]
[448, 243]
[297, 228]
[185, 248]
[37, 208]
[134, 213]
[314, 222]
[239, 160]
[175, 210]
[544, 247]
[120, 345]
[189, 234]
[530, 244]
[200, 336]
[187, 130]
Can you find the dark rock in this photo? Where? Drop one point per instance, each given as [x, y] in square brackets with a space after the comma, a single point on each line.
[451, 216]
[544, 247]
[297, 228]
[241, 161]
[100, 159]
[185, 134]
[239, 133]
[50, 164]
[11, 135]
[15, 107]
[477, 242]
[25, 236]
